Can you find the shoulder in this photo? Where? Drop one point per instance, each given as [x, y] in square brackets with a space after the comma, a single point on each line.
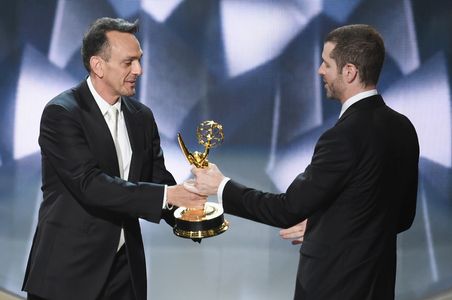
[398, 117]
[136, 107]
[66, 101]
[400, 125]
[134, 104]
[337, 138]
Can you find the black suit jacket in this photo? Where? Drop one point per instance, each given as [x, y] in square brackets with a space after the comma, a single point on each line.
[85, 201]
[358, 192]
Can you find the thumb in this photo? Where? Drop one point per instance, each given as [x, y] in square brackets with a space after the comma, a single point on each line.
[193, 170]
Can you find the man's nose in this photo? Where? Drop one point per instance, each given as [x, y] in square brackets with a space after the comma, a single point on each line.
[136, 68]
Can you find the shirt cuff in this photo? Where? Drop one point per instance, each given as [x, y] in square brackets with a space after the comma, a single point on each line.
[220, 190]
[165, 197]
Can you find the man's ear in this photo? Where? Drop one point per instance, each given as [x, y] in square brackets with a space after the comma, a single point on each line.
[350, 73]
[97, 65]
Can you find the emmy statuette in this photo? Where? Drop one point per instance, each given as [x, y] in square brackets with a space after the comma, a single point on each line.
[209, 221]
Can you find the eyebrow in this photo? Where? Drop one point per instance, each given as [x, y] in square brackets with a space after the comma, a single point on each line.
[132, 57]
[324, 60]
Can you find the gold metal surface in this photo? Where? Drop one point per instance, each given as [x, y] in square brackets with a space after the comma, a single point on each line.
[204, 233]
[190, 214]
[210, 135]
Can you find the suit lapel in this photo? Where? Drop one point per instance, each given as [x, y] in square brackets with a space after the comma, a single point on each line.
[99, 136]
[135, 130]
[97, 132]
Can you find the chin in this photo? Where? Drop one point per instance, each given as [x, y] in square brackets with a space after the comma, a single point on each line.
[329, 95]
[129, 93]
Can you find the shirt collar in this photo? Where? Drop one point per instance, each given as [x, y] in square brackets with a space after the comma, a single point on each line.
[104, 106]
[352, 100]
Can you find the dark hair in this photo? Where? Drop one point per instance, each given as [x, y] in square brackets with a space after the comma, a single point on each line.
[360, 45]
[95, 41]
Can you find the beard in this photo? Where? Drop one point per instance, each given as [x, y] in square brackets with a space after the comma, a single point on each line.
[128, 89]
[334, 89]
[329, 91]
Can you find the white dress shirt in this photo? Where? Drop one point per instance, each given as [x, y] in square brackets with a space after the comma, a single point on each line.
[352, 100]
[122, 137]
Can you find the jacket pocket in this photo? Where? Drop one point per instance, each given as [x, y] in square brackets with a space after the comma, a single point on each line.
[313, 249]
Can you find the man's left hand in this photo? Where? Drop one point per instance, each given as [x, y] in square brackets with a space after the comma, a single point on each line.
[294, 233]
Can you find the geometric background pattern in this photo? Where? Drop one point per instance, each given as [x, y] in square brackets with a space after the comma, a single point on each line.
[252, 66]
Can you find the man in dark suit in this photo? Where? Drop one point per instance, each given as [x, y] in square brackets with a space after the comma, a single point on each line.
[358, 192]
[102, 169]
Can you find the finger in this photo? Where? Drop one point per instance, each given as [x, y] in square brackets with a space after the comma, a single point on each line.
[191, 188]
[201, 198]
[292, 236]
[297, 242]
[190, 181]
[192, 206]
[294, 229]
[199, 206]
[194, 170]
[287, 231]
[295, 234]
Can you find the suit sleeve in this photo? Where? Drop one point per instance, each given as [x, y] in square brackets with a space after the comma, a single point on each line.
[65, 147]
[409, 182]
[408, 207]
[159, 172]
[311, 191]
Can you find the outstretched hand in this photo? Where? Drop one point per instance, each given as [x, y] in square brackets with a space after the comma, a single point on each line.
[179, 196]
[294, 233]
[206, 180]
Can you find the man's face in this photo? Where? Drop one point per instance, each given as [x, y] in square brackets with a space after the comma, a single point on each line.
[332, 77]
[122, 69]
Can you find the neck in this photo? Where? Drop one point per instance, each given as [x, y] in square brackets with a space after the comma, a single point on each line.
[352, 91]
[103, 90]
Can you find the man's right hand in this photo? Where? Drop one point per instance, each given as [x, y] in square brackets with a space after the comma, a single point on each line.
[179, 196]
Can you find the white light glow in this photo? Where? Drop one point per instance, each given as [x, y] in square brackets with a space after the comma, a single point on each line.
[39, 81]
[290, 166]
[72, 18]
[399, 33]
[429, 236]
[293, 160]
[172, 82]
[175, 161]
[160, 10]
[66, 29]
[424, 97]
[255, 32]
[55, 55]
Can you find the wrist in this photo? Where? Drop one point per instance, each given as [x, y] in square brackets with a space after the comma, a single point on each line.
[169, 203]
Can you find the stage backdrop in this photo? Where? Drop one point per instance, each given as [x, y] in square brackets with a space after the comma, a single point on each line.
[252, 66]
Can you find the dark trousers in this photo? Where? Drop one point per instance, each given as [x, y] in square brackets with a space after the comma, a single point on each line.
[119, 283]
[33, 297]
